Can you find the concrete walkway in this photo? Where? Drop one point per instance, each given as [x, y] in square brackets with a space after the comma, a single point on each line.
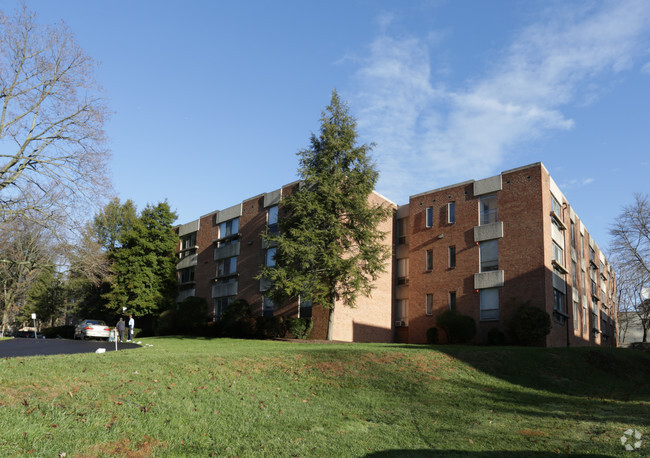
[32, 347]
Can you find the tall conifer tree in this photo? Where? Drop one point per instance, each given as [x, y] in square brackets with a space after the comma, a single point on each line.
[329, 249]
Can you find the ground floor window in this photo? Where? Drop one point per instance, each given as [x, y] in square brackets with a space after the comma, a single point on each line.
[220, 304]
[305, 308]
[267, 309]
[490, 304]
[559, 306]
[401, 311]
[429, 304]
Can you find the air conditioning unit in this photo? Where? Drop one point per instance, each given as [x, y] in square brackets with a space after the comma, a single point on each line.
[400, 323]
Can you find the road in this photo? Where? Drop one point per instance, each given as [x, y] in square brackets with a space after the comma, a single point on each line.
[31, 347]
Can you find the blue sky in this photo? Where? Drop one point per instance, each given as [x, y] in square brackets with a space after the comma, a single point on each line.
[212, 100]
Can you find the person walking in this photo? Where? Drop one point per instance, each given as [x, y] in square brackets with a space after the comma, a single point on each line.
[131, 328]
[120, 329]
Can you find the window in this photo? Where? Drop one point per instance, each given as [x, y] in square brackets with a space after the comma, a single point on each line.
[555, 206]
[452, 257]
[429, 217]
[402, 268]
[429, 260]
[451, 212]
[487, 206]
[228, 228]
[188, 245]
[429, 304]
[269, 258]
[402, 230]
[401, 310]
[452, 300]
[267, 309]
[186, 275]
[574, 272]
[489, 304]
[227, 266]
[559, 306]
[584, 318]
[220, 304]
[558, 260]
[573, 234]
[489, 253]
[575, 315]
[305, 309]
[272, 219]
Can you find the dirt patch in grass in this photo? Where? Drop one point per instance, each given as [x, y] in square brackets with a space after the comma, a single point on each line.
[124, 448]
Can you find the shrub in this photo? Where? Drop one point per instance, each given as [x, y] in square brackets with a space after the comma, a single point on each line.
[271, 328]
[432, 335]
[459, 328]
[237, 320]
[496, 337]
[530, 325]
[299, 327]
[188, 318]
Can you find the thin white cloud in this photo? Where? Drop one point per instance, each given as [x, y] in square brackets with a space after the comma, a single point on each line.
[430, 135]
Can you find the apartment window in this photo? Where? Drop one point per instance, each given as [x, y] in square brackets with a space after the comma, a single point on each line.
[267, 308]
[592, 256]
[429, 217]
[305, 308]
[401, 310]
[584, 318]
[558, 254]
[452, 257]
[489, 253]
[573, 234]
[584, 284]
[452, 300]
[402, 230]
[429, 260]
[487, 209]
[269, 257]
[227, 266]
[188, 245]
[451, 212]
[186, 275]
[489, 304]
[402, 269]
[228, 228]
[272, 219]
[574, 272]
[429, 304]
[575, 315]
[559, 306]
[555, 206]
[220, 304]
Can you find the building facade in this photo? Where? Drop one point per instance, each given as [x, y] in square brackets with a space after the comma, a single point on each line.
[481, 247]
[220, 256]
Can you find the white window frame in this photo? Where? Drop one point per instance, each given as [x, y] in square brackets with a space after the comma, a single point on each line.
[451, 212]
[428, 300]
[428, 217]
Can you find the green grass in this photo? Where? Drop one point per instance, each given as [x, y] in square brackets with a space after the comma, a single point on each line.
[197, 397]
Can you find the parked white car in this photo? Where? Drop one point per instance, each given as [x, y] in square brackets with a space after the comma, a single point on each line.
[95, 329]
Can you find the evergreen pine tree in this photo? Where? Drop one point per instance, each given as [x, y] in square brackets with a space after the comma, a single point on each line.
[329, 249]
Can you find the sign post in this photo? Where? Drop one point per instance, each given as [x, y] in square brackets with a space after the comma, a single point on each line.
[34, 318]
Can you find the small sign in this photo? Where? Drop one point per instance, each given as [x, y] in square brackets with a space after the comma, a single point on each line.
[33, 316]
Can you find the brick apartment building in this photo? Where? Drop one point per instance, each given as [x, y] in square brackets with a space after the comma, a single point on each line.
[481, 247]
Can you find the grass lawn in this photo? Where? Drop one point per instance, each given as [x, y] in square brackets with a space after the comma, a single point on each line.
[222, 397]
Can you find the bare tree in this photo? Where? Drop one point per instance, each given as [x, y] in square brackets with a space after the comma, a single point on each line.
[631, 249]
[52, 146]
[24, 254]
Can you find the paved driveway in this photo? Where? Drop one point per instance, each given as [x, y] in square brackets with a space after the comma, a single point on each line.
[32, 347]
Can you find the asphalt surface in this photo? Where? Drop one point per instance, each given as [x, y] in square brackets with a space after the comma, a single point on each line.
[32, 347]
